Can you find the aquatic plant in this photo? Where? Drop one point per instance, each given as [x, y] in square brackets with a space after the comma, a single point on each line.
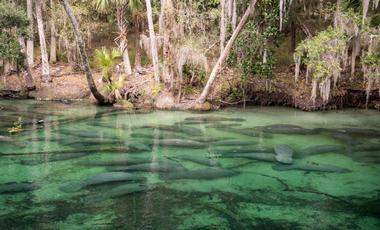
[17, 126]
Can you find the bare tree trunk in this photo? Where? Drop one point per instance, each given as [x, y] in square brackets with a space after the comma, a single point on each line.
[86, 66]
[222, 25]
[234, 15]
[53, 37]
[28, 75]
[44, 56]
[29, 43]
[153, 42]
[223, 56]
[293, 36]
[137, 55]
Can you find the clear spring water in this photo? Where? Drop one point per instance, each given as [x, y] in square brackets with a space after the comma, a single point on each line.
[65, 145]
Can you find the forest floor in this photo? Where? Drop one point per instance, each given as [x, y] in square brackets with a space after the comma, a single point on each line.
[141, 91]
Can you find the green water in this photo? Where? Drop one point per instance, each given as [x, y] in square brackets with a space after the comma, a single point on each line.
[254, 196]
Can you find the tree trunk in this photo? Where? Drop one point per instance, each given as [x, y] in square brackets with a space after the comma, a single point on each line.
[45, 73]
[293, 36]
[222, 25]
[53, 37]
[126, 61]
[29, 42]
[153, 42]
[101, 100]
[225, 53]
[121, 40]
[28, 75]
[137, 55]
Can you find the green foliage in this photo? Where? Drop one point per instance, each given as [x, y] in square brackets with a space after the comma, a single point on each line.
[114, 87]
[9, 46]
[248, 51]
[12, 16]
[17, 126]
[107, 60]
[13, 23]
[156, 89]
[322, 53]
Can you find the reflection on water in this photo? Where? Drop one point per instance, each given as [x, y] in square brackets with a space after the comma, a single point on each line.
[259, 168]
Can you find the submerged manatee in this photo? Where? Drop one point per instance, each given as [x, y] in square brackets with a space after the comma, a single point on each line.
[182, 143]
[205, 139]
[150, 167]
[311, 167]
[103, 178]
[286, 129]
[197, 159]
[284, 153]
[242, 149]
[121, 162]
[126, 189]
[40, 159]
[346, 138]
[319, 149]
[233, 142]
[365, 147]
[200, 174]
[270, 157]
[15, 187]
[12, 141]
[246, 131]
[213, 119]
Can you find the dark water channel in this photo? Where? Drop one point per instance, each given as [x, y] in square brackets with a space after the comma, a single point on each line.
[79, 166]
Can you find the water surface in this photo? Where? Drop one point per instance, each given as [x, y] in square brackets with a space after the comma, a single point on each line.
[191, 170]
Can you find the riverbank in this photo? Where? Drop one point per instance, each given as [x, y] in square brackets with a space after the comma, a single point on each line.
[140, 91]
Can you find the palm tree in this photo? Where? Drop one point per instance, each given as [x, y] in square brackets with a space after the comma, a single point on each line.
[86, 66]
[44, 56]
[122, 24]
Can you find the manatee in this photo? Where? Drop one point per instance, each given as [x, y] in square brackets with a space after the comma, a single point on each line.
[270, 157]
[102, 178]
[12, 141]
[172, 128]
[311, 167]
[284, 153]
[213, 118]
[246, 131]
[78, 133]
[126, 189]
[226, 125]
[319, 149]
[205, 139]
[365, 147]
[15, 187]
[368, 159]
[360, 131]
[6, 139]
[40, 159]
[233, 142]
[242, 149]
[90, 142]
[346, 138]
[121, 162]
[150, 167]
[200, 174]
[197, 159]
[182, 143]
[286, 129]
